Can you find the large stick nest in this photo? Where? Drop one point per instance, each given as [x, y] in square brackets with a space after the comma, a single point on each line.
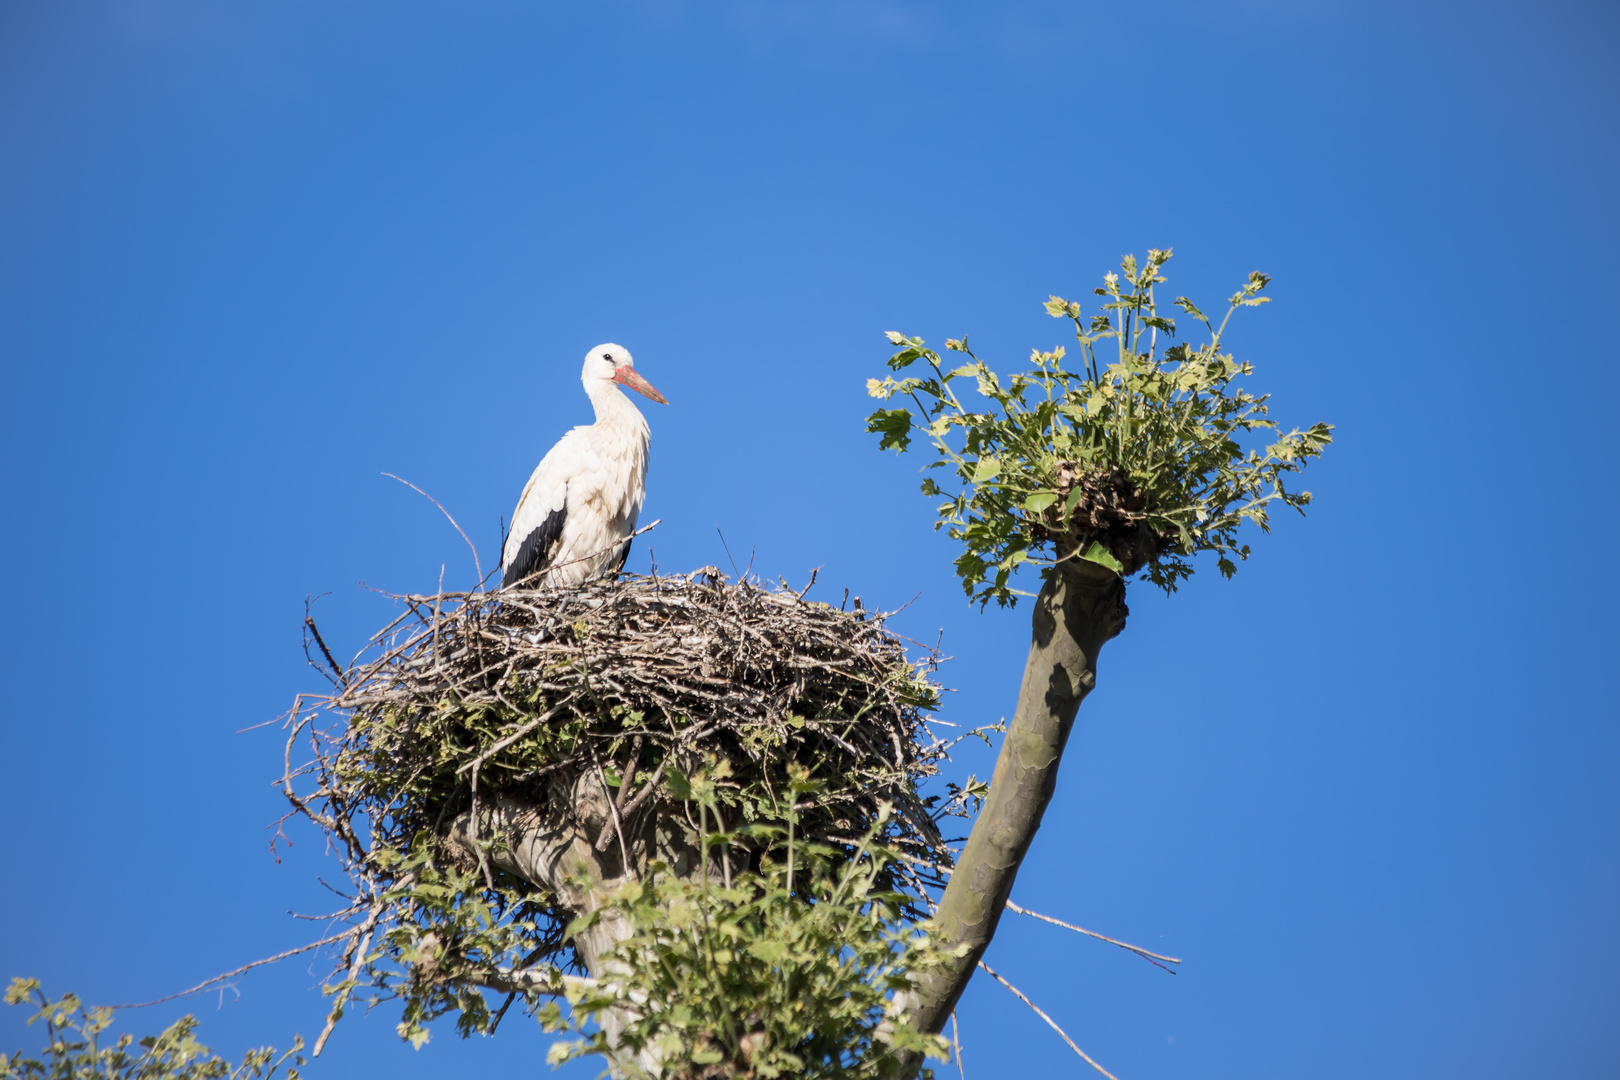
[634, 685]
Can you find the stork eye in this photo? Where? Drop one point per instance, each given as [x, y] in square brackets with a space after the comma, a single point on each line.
[608, 357]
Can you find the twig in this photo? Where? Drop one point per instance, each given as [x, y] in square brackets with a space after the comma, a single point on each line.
[507, 1004]
[200, 987]
[626, 778]
[652, 786]
[1151, 957]
[501, 1013]
[956, 1044]
[1050, 1022]
[472, 834]
[800, 594]
[343, 680]
[365, 930]
[728, 549]
[476, 564]
[516, 735]
[618, 827]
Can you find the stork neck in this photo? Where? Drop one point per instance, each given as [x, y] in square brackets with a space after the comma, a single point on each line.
[613, 407]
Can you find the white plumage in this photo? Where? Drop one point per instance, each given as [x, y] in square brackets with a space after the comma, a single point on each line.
[580, 505]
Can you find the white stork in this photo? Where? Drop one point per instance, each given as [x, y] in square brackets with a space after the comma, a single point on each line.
[584, 497]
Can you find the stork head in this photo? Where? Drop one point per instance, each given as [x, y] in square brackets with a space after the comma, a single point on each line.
[612, 363]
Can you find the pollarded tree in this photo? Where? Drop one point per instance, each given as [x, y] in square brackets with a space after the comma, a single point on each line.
[1149, 455]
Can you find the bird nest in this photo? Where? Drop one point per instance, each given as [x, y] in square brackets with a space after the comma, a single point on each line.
[603, 703]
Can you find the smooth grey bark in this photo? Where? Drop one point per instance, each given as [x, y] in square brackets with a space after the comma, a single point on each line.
[553, 845]
[1081, 606]
[554, 852]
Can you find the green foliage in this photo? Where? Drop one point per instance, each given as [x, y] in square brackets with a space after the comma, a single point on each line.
[449, 932]
[74, 1049]
[797, 970]
[1138, 465]
[444, 926]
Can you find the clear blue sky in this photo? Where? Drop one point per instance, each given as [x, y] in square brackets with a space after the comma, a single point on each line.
[252, 255]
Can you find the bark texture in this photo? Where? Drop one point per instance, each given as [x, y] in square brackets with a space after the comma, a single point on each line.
[553, 845]
[1080, 608]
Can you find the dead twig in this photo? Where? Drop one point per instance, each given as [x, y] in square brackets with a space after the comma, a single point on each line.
[478, 566]
[1050, 1022]
[218, 979]
[1151, 957]
[364, 931]
[309, 624]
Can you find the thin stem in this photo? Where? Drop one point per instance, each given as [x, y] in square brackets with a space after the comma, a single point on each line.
[793, 808]
[476, 564]
[1050, 1022]
[209, 983]
[1151, 957]
[613, 810]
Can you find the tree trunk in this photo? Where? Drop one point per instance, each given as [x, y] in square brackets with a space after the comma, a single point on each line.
[553, 845]
[1081, 606]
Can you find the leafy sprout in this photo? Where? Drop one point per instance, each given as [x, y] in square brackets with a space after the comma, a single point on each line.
[800, 969]
[76, 1048]
[1137, 465]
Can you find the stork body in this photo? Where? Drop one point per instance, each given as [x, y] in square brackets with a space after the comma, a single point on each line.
[580, 506]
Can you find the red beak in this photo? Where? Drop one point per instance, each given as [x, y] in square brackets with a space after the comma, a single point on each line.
[626, 375]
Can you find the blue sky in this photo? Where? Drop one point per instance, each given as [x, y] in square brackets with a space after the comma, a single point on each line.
[251, 256]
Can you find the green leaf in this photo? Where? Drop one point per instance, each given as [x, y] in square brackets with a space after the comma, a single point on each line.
[988, 469]
[895, 427]
[1102, 557]
[1039, 501]
[678, 784]
[584, 922]
[1187, 305]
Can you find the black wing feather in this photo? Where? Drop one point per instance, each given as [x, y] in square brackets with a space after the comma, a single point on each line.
[624, 557]
[536, 550]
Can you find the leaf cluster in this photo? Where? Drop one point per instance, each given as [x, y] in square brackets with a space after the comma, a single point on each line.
[1139, 460]
[797, 970]
[75, 1048]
